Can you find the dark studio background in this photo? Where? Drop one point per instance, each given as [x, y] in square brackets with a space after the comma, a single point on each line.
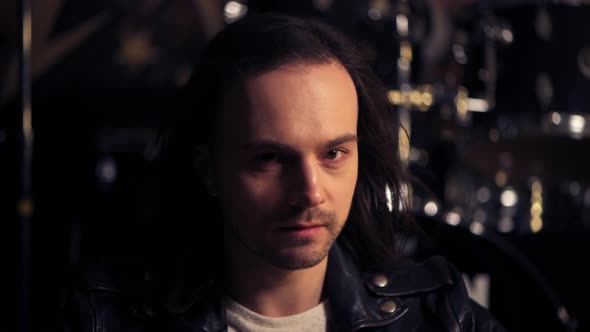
[104, 75]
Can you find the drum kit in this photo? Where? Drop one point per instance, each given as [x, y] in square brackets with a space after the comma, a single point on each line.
[494, 97]
[508, 107]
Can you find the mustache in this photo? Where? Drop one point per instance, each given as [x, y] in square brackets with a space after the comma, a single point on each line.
[324, 216]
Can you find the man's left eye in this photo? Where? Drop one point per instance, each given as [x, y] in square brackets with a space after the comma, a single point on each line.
[334, 154]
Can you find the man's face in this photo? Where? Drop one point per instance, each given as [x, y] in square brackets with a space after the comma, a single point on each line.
[287, 163]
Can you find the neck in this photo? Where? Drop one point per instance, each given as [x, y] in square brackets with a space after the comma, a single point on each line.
[269, 290]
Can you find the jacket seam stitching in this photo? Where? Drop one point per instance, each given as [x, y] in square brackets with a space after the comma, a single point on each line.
[410, 292]
[376, 323]
[95, 324]
[457, 326]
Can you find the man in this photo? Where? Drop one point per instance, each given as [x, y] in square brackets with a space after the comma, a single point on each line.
[299, 201]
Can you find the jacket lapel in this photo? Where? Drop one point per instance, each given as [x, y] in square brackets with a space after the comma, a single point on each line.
[352, 306]
[357, 300]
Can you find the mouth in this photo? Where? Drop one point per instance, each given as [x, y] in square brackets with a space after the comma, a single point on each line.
[301, 230]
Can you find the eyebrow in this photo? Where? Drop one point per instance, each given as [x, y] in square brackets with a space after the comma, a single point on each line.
[272, 145]
[342, 139]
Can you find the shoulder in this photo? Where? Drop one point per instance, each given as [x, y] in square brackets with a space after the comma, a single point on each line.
[433, 290]
[107, 296]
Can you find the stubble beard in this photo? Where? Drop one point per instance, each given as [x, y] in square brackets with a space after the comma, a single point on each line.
[302, 253]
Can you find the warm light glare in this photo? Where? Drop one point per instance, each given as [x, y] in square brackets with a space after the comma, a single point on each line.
[427, 98]
[536, 206]
[476, 228]
[509, 198]
[536, 187]
[406, 50]
[389, 199]
[234, 10]
[405, 197]
[431, 208]
[404, 146]
[555, 118]
[576, 124]
[536, 225]
[416, 97]
[536, 209]
[507, 35]
[461, 104]
[421, 98]
[401, 22]
[501, 179]
[27, 35]
[395, 97]
[453, 218]
[477, 105]
[403, 64]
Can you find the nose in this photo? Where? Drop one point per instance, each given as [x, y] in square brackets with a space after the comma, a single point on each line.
[306, 189]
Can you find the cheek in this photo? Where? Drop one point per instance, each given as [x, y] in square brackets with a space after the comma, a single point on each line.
[348, 186]
[346, 192]
[247, 195]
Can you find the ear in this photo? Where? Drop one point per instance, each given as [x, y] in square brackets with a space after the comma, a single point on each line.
[204, 166]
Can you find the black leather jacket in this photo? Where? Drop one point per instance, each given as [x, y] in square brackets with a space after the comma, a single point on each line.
[426, 296]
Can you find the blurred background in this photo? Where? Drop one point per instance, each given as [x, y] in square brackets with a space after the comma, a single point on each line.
[494, 96]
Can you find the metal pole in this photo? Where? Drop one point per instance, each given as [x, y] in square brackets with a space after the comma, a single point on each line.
[25, 203]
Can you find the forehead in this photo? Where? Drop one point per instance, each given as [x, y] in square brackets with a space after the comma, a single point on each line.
[290, 102]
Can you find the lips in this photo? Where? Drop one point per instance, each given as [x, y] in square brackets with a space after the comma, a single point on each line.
[297, 226]
[301, 229]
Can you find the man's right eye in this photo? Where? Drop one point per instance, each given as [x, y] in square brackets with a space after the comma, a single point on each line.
[265, 162]
[267, 157]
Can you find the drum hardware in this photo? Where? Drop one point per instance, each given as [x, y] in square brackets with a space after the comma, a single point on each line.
[505, 198]
[399, 15]
[512, 204]
[545, 67]
[495, 31]
[404, 65]
[420, 98]
[503, 159]
[377, 9]
[449, 94]
[577, 126]
[534, 144]
[470, 66]
[423, 98]
[25, 207]
[552, 148]
[584, 61]
[507, 268]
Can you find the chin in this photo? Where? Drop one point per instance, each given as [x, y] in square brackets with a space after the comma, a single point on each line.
[298, 259]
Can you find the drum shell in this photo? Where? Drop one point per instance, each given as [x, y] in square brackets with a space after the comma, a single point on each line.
[521, 296]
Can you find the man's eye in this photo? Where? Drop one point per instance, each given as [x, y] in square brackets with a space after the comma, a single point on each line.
[266, 157]
[335, 154]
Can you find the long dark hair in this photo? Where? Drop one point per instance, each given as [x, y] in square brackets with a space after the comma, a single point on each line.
[261, 43]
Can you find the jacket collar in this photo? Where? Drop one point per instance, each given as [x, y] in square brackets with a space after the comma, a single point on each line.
[360, 299]
[357, 299]
[351, 305]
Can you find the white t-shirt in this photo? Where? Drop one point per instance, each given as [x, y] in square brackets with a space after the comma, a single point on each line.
[241, 319]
